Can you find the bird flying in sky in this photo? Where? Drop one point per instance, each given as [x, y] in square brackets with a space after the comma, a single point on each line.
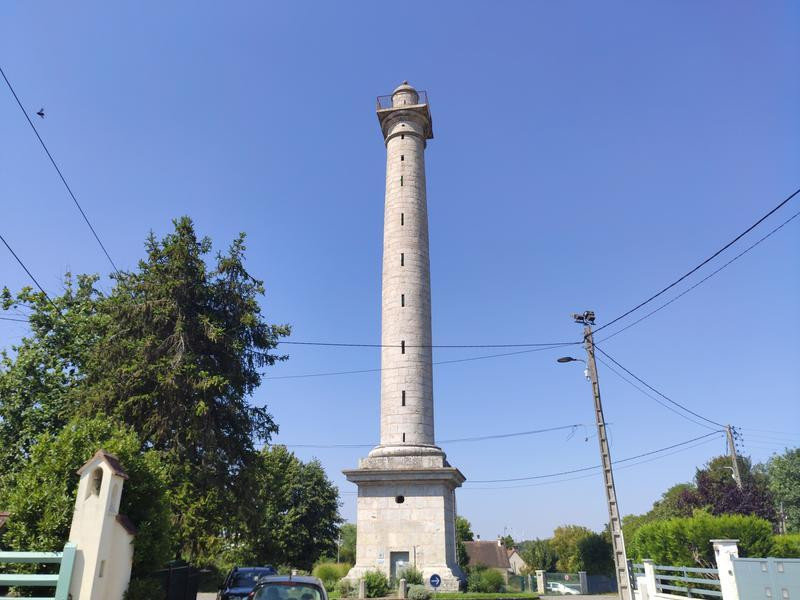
[41, 112]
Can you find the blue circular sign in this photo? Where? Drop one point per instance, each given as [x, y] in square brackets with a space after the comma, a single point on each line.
[436, 581]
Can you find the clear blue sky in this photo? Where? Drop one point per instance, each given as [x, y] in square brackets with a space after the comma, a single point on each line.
[585, 156]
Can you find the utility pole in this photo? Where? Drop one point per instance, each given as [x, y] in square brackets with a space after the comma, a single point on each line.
[614, 522]
[734, 459]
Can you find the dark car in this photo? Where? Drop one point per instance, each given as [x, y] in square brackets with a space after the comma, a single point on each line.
[241, 581]
[289, 587]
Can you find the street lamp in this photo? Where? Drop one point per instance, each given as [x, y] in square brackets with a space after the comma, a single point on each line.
[566, 359]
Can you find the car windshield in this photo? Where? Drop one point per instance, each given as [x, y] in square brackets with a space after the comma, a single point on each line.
[243, 579]
[288, 591]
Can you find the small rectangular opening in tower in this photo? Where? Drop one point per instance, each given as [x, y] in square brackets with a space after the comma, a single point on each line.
[404, 437]
[404, 398]
[403, 347]
[402, 157]
[401, 181]
[402, 259]
[402, 136]
[402, 299]
[402, 218]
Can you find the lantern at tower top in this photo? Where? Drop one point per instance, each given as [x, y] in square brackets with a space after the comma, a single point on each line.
[405, 102]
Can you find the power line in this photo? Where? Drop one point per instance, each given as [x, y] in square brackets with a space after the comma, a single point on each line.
[651, 388]
[702, 264]
[704, 279]
[348, 345]
[60, 174]
[13, 319]
[452, 441]
[441, 362]
[654, 398]
[586, 476]
[22, 264]
[571, 471]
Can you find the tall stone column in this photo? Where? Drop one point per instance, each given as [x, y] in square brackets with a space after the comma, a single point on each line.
[406, 487]
[406, 356]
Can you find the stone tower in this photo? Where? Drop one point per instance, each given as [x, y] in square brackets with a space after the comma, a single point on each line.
[406, 487]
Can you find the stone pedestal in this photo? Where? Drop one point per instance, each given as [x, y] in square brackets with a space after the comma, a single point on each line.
[406, 515]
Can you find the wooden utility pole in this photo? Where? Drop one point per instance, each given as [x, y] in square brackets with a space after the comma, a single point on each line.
[734, 458]
[614, 522]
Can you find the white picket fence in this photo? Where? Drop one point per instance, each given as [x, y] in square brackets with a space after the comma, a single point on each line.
[734, 578]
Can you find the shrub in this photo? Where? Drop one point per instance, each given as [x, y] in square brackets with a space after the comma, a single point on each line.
[485, 581]
[330, 573]
[418, 592]
[376, 583]
[493, 580]
[144, 589]
[686, 541]
[345, 589]
[412, 575]
[786, 546]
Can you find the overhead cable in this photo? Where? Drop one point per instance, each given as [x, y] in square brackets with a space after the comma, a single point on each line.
[651, 388]
[702, 264]
[704, 279]
[60, 174]
[720, 435]
[441, 362]
[654, 398]
[582, 469]
[452, 441]
[22, 264]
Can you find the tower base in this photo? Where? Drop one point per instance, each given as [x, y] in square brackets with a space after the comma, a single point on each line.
[406, 515]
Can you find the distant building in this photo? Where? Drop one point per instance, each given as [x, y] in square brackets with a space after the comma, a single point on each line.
[492, 555]
[515, 560]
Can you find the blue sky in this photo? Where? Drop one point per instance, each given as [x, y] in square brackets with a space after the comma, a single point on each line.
[585, 156]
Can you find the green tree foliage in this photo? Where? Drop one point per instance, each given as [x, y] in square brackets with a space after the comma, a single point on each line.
[786, 546]
[539, 555]
[41, 495]
[39, 375]
[348, 536]
[463, 534]
[181, 350]
[565, 544]
[685, 541]
[463, 530]
[507, 541]
[783, 472]
[174, 351]
[717, 491]
[294, 511]
[595, 555]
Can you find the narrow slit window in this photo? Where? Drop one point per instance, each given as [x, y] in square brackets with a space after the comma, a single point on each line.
[401, 181]
[402, 136]
[404, 437]
[402, 218]
[402, 259]
[403, 347]
[404, 398]
[402, 299]
[402, 157]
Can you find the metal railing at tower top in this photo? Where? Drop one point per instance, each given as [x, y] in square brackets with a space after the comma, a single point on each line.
[385, 102]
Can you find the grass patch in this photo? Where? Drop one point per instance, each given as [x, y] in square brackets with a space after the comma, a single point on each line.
[485, 596]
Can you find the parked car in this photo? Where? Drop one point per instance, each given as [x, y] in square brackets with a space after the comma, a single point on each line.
[289, 587]
[560, 588]
[240, 581]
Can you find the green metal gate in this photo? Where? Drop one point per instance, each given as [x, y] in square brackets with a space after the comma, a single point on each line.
[59, 581]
